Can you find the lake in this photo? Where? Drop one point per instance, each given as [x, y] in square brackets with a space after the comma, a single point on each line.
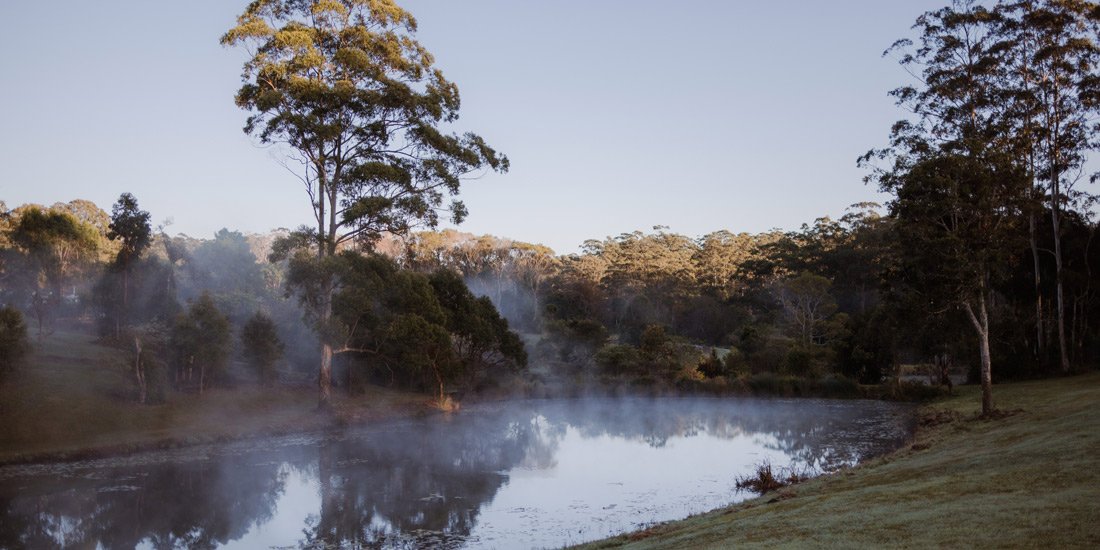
[526, 474]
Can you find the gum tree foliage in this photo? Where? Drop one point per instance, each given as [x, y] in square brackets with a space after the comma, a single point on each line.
[957, 223]
[54, 246]
[956, 194]
[1019, 77]
[720, 259]
[480, 336]
[262, 346]
[1052, 92]
[359, 110]
[199, 344]
[227, 268]
[512, 273]
[130, 227]
[151, 296]
[807, 305]
[417, 330]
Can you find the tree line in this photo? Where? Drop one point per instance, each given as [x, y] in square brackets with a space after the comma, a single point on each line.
[194, 314]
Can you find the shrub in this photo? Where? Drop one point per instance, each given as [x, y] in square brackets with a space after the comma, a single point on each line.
[800, 361]
[838, 386]
[735, 363]
[767, 383]
[689, 373]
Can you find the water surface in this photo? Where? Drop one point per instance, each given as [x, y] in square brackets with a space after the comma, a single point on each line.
[519, 474]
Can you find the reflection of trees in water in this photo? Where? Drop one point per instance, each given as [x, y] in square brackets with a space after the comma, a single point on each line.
[412, 483]
[819, 433]
[189, 505]
[426, 479]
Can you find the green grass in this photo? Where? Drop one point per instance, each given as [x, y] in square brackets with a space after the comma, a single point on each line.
[1026, 480]
[74, 398]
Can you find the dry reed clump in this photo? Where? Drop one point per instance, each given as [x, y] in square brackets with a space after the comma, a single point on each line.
[767, 478]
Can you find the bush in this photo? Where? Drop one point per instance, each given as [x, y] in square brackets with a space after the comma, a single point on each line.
[618, 359]
[800, 361]
[735, 363]
[772, 357]
[767, 383]
[13, 339]
[690, 374]
[839, 386]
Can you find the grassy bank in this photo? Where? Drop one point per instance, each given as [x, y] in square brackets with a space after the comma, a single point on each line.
[1025, 480]
[73, 398]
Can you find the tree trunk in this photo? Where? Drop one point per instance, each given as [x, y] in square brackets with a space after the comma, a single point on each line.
[981, 325]
[987, 374]
[1059, 296]
[1040, 341]
[1053, 135]
[326, 248]
[139, 372]
[39, 313]
[439, 381]
[324, 376]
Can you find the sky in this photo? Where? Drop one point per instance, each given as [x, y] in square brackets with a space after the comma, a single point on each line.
[617, 115]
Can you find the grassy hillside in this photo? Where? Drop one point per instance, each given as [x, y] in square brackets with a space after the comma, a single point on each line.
[74, 397]
[1025, 480]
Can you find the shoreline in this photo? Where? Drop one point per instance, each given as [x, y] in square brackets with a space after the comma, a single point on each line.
[74, 402]
[347, 415]
[1027, 475]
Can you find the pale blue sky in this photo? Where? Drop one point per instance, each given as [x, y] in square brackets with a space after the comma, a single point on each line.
[617, 115]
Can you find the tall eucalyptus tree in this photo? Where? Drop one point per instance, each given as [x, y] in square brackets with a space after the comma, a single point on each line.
[955, 197]
[361, 113]
[1053, 88]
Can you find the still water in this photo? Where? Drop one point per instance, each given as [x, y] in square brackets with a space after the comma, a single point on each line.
[513, 475]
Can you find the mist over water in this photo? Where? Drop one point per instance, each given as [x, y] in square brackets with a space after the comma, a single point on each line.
[515, 474]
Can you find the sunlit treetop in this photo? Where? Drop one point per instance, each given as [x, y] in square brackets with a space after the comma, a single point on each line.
[356, 99]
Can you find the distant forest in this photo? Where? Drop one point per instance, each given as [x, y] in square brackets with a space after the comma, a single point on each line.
[826, 303]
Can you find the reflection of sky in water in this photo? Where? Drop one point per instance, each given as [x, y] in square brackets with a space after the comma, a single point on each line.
[298, 502]
[535, 474]
[605, 485]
